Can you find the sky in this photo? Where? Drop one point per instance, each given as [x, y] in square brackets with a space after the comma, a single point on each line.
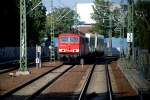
[84, 10]
[67, 3]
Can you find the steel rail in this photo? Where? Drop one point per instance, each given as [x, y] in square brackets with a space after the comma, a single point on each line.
[8, 70]
[86, 84]
[9, 93]
[8, 66]
[14, 65]
[109, 86]
[37, 93]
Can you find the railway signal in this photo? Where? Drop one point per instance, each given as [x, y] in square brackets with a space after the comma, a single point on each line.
[38, 56]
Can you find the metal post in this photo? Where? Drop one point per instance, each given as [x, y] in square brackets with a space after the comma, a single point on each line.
[38, 56]
[132, 24]
[23, 40]
[120, 42]
[130, 27]
[110, 30]
[52, 52]
[123, 26]
[110, 34]
[75, 21]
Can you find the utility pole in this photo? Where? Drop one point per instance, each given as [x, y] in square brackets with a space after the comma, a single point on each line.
[23, 40]
[110, 30]
[110, 34]
[75, 21]
[52, 48]
[123, 13]
[130, 27]
[123, 27]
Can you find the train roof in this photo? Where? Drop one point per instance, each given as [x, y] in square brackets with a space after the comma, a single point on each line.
[100, 36]
[68, 34]
[93, 35]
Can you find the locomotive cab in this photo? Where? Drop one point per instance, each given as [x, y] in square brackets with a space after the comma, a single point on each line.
[68, 45]
[72, 46]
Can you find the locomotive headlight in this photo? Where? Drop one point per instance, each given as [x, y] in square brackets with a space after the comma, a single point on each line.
[75, 50]
[61, 50]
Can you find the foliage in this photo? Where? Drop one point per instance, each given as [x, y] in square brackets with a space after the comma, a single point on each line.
[142, 24]
[36, 20]
[9, 22]
[101, 15]
[62, 18]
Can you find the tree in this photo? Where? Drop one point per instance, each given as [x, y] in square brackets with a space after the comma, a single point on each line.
[63, 19]
[100, 16]
[36, 21]
[142, 24]
[9, 22]
[102, 10]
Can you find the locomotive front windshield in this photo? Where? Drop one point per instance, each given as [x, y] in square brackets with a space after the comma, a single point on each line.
[64, 39]
[74, 39]
[69, 39]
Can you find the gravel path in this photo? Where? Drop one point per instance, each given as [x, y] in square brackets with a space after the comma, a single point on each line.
[120, 86]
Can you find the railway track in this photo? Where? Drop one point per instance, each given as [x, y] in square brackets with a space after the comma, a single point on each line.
[9, 66]
[29, 92]
[54, 78]
[35, 88]
[84, 89]
[13, 91]
[2, 71]
[70, 86]
[109, 86]
[109, 95]
[31, 89]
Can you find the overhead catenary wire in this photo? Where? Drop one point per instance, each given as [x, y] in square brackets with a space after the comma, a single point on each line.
[64, 15]
[143, 16]
[35, 7]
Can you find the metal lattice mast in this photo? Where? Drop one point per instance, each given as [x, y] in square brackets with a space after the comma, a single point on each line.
[75, 21]
[23, 37]
[52, 52]
[110, 30]
[123, 31]
[123, 14]
[130, 24]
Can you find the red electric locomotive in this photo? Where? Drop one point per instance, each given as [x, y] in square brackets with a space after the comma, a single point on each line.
[72, 46]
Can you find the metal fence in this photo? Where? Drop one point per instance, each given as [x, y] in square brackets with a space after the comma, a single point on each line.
[13, 53]
[141, 61]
